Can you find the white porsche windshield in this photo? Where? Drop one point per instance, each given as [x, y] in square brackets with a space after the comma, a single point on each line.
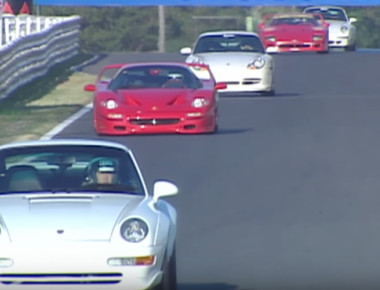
[68, 169]
[330, 14]
[229, 43]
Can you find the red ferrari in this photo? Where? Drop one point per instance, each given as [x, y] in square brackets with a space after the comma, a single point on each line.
[155, 98]
[294, 32]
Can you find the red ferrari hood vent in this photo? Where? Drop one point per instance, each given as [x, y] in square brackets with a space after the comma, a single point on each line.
[158, 97]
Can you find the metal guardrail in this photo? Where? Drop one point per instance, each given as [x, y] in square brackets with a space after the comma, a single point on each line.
[31, 45]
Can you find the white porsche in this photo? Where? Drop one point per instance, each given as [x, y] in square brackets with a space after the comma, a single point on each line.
[76, 214]
[237, 58]
[342, 32]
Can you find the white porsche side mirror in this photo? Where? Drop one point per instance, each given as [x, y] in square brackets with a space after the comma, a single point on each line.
[353, 19]
[163, 188]
[186, 50]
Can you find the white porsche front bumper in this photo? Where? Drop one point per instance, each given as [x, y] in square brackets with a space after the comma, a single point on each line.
[339, 41]
[79, 265]
[238, 80]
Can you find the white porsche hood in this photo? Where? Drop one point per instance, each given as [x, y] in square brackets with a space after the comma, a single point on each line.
[233, 66]
[63, 216]
[216, 59]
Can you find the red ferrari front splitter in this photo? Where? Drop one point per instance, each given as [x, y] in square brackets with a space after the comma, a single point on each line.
[297, 46]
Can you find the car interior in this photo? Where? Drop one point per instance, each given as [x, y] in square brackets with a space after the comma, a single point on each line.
[54, 172]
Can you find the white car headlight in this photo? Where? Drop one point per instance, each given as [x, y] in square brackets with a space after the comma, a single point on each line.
[200, 102]
[317, 37]
[257, 63]
[195, 59]
[344, 29]
[271, 38]
[134, 230]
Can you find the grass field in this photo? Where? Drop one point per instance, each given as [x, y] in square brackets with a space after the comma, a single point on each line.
[36, 108]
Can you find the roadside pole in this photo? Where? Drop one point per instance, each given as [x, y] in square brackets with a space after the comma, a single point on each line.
[162, 29]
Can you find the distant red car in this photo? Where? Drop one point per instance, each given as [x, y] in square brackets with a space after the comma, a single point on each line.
[155, 98]
[284, 32]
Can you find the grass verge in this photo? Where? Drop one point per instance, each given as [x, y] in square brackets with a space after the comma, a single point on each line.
[37, 107]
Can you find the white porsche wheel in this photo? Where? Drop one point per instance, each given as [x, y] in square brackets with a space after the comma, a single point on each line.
[169, 281]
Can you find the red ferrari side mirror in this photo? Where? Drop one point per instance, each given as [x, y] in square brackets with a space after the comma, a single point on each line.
[261, 25]
[90, 88]
[221, 86]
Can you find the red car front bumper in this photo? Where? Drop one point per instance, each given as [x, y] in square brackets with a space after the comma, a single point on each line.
[153, 123]
[294, 46]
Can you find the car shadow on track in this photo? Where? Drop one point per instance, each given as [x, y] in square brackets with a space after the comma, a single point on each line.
[209, 286]
[222, 131]
[254, 96]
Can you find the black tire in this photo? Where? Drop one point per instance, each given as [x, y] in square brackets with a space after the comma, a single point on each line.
[216, 125]
[326, 49]
[270, 93]
[350, 48]
[169, 281]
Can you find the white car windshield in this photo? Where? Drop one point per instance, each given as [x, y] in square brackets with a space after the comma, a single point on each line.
[229, 43]
[330, 13]
[68, 169]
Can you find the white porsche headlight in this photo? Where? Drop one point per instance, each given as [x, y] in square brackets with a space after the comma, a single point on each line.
[344, 29]
[257, 63]
[196, 59]
[134, 230]
[200, 102]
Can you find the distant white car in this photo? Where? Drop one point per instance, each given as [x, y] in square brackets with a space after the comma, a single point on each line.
[76, 214]
[237, 58]
[342, 32]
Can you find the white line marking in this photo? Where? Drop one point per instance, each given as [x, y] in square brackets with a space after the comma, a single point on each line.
[57, 129]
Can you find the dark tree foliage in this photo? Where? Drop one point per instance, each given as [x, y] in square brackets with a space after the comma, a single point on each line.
[136, 29]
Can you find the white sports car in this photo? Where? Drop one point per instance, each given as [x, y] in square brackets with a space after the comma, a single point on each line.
[237, 58]
[342, 32]
[76, 214]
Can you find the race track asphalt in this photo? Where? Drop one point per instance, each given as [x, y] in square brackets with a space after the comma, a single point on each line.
[286, 195]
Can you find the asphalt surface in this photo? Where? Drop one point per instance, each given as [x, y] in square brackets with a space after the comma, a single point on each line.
[286, 196]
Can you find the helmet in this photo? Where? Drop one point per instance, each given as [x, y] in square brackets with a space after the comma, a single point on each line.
[101, 164]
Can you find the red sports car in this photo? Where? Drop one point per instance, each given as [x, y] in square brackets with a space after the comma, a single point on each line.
[154, 98]
[294, 32]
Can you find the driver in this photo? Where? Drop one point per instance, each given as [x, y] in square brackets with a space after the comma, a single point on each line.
[102, 171]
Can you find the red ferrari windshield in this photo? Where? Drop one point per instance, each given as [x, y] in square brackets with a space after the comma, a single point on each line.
[154, 76]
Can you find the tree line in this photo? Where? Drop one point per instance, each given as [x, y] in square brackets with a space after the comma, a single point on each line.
[136, 29]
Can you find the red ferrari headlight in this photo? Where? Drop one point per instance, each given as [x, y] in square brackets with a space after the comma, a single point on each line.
[200, 102]
[109, 104]
[317, 38]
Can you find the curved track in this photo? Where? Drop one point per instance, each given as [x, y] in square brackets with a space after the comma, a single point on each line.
[287, 194]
